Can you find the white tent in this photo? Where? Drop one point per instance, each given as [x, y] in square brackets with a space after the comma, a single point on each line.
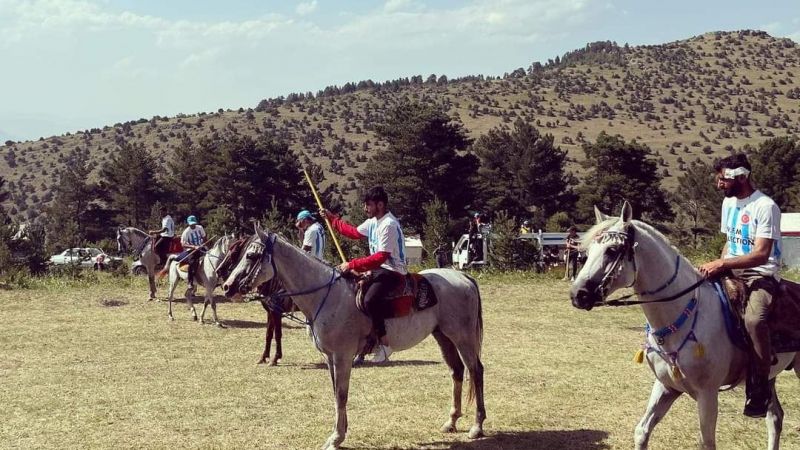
[413, 250]
[790, 240]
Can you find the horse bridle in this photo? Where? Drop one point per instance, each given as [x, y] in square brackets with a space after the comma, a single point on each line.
[628, 248]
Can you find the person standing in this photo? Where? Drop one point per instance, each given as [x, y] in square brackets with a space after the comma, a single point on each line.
[313, 234]
[573, 244]
[387, 258]
[752, 223]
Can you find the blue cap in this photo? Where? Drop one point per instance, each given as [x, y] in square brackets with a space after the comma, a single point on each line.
[191, 220]
[304, 214]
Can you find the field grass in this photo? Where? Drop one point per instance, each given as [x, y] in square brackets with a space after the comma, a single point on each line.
[94, 365]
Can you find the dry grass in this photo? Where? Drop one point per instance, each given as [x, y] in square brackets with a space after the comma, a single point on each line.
[99, 367]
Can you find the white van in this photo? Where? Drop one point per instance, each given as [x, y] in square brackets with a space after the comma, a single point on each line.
[473, 252]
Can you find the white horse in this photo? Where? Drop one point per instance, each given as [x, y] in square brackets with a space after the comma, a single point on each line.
[687, 347]
[206, 275]
[340, 330]
[130, 239]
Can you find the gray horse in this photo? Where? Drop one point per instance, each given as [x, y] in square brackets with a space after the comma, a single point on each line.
[206, 275]
[130, 239]
[340, 330]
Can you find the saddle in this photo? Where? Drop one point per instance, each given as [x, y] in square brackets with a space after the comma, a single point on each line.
[784, 320]
[414, 294]
[175, 245]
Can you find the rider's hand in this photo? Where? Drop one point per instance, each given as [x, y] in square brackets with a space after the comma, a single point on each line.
[324, 213]
[712, 269]
[343, 267]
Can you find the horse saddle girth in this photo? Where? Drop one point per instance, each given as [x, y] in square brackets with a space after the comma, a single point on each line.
[784, 316]
[414, 294]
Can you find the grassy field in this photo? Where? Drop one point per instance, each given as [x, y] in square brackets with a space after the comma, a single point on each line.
[97, 366]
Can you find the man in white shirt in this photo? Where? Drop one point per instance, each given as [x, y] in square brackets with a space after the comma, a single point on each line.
[387, 258]
[164, 235]
[193, 240]
[313, 234]
[752, 223]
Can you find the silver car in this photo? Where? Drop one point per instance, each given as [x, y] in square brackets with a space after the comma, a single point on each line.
[85, 257]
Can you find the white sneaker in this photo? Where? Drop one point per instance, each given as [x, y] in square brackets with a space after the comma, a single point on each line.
[382, 354]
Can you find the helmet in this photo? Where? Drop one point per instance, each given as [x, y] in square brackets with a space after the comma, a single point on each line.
[191, 220]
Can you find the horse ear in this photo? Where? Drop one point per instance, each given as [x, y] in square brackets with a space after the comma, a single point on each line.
[599, 216]
[260, 232]
[627, 212]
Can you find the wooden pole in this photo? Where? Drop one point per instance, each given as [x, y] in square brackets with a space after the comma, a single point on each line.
[327, 222]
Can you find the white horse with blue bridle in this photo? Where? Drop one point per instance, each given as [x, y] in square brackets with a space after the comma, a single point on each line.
[688, 346]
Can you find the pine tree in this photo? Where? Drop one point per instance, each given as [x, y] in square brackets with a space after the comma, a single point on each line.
[130, 185]
[436, 231]
[697, 203]
[521, 172]
[423, 160]
[620, 171]
[502, 241]
[188, 176]
[69, 213]
[776, 171]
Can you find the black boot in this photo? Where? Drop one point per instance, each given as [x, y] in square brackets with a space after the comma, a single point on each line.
[758, 394]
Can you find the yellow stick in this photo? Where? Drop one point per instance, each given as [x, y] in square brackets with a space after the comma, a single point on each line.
[327, 222]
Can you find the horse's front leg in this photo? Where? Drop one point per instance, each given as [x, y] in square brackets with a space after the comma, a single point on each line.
[278, 328]
[268, 338]
[151, 278]
[340, 372]
[661, 399]
[774, 419]
[707, 410]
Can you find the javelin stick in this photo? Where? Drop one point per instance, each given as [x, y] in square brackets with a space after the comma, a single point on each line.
[327, 222]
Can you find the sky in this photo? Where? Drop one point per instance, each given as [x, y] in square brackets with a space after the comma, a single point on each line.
[68, 65]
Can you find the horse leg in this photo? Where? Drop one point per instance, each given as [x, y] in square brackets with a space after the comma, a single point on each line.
[470, 355]
[340, 366]
[189, 294]
[270, 337]
[450, 355]
[661, 399]
[267, 338]
[206, 302]
[707, 410]
[151, 278]
[277, 325]
[173, 283]
[774, 419]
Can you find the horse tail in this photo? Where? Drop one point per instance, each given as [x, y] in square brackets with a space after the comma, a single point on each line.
[479, 338]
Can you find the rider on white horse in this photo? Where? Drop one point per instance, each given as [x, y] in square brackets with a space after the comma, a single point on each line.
[193, 239]
[313, 234]
[752, 223]
[165, 235]
[387, 257]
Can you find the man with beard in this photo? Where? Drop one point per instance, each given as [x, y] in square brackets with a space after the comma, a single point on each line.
[752, 251]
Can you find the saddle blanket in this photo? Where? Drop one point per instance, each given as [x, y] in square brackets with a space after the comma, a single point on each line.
[784, 320]
[415, 294]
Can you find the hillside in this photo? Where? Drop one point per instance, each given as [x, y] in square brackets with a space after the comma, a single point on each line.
[696, 98]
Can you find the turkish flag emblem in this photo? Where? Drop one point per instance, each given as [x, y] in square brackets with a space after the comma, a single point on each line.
[745, 219]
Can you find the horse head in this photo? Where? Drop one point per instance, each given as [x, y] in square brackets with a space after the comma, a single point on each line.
[255, 265]
[123, 240]
[610, 263]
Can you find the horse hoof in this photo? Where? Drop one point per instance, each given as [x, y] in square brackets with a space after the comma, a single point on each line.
[194, 319]
[475, 433]
[261, 361]
[273, 362]
[220, 325]
[171, 319]
[448, 428]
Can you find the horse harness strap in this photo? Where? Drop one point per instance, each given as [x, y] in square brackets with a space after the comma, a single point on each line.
[622, 302]
[662, 333]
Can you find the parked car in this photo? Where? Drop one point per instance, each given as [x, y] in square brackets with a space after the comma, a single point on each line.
[137, 268]
[85, 257]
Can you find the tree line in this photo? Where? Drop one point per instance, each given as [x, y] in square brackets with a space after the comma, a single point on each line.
[436, 176]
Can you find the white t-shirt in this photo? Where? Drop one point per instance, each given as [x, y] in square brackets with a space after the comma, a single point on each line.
[193, 237]
[169, 224]
[385, 235]
[314, 237]
[744, 220]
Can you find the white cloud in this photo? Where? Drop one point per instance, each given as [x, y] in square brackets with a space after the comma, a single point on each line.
[395, 5]
[306, 8]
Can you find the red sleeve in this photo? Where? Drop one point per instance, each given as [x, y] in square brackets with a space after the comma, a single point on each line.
[344, 228]
[368, 262]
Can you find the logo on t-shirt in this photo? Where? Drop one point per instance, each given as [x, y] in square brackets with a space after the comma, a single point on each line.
[745, 219]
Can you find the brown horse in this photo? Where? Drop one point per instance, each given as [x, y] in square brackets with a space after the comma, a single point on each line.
[275, 306]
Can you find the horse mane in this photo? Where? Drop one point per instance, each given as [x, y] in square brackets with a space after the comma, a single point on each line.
[598, 229]
[302, 252]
